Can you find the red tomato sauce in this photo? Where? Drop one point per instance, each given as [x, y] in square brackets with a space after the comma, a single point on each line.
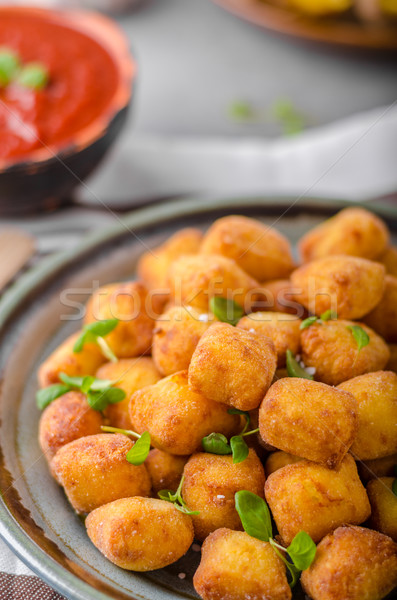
[82, 82]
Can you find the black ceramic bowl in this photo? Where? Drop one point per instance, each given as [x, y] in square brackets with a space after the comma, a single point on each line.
[47, 177]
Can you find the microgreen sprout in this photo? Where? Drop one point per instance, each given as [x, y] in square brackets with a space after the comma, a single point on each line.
[282, 111]
[309, 321]
[241, 111]
[256, 520]
[226, 310]
[289, 117]
[9, 65]
[176, 499]
[254, 514]
[301, 551]
[140, 450]
[294, 369]
[328, 315]
[47, 395]
[33, 75]
[95, 333]
[100, 392]
[360, 335]
[217, 443]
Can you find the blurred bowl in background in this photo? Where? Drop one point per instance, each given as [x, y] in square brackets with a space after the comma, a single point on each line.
[112, 7]
[84, 108]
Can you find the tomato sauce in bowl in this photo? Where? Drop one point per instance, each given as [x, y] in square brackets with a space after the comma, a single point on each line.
[83, 80]
[55, 133]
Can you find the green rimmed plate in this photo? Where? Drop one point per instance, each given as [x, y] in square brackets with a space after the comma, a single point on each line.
[35, 315]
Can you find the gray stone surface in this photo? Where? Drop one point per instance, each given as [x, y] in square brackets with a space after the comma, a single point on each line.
[195, 59]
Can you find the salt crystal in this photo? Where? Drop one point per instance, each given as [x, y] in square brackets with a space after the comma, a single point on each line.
[204, 318]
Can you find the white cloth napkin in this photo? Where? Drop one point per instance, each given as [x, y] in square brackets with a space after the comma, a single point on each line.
[354, 159]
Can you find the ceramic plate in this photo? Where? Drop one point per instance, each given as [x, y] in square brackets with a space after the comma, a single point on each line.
[345, 30]
[35, 518]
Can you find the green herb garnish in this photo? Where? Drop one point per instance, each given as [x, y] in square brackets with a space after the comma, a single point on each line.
[140, 450]
[294, 369]
[47, 395]
[360, 335]
[94, 333]
[254, 514]
[100, 400]
[307, 322]
[86, 383]
[33, 76]
[239, 448]
[291, 120]
[394, 487]
[256, 520]
[217, 443]
[108, 429]
[242, 413]
[326, 316]
[282, 111]
[329, 315]
[99, 392]
[9, 66]
[226, 310]
[241, 111]
[294, 572]
[176, 499]
[301, 551]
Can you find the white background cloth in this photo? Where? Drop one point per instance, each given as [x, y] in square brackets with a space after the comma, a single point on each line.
[353, 159]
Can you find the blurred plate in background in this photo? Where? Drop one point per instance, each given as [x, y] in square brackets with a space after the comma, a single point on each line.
[344, 30]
